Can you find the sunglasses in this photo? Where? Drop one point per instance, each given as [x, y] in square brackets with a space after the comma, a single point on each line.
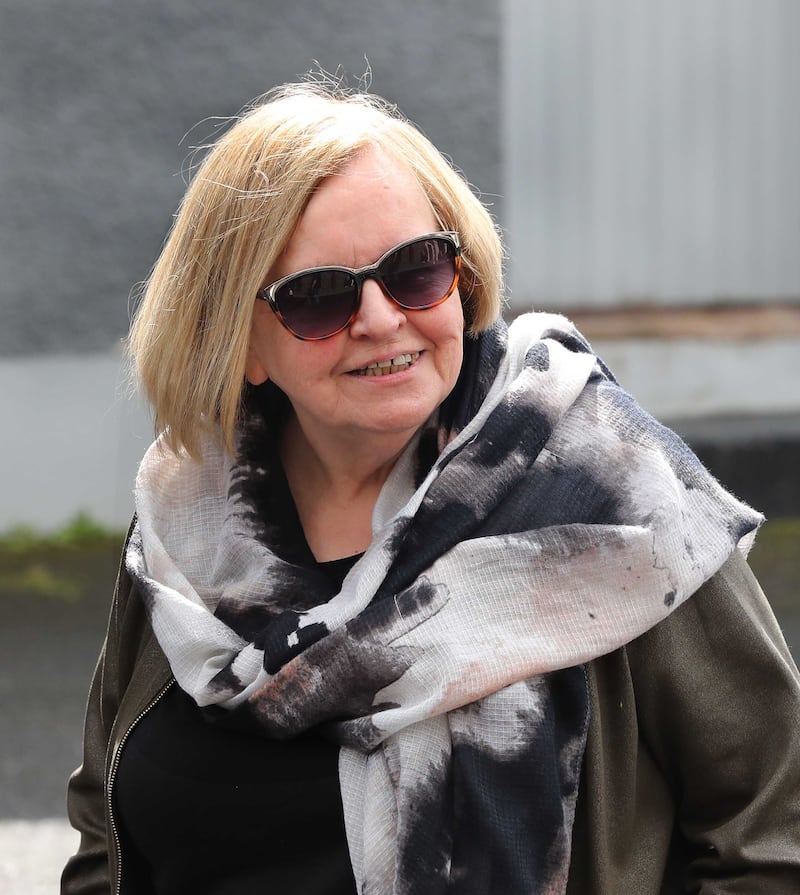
[317, 303]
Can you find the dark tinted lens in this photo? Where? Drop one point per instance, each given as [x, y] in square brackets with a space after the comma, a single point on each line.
[316, 305]
[421, 274]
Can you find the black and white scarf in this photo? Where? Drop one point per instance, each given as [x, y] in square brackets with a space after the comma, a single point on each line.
[556, 522]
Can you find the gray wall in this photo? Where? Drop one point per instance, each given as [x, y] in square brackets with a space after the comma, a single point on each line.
[96, 96]
[652, 151]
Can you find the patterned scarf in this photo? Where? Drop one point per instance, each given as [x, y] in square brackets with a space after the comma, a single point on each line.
[554, 522]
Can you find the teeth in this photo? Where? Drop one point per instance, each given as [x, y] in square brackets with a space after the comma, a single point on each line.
[384, 367]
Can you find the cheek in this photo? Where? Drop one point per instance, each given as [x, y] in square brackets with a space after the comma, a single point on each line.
[448, 325]
[299, 367]
[454, 361]
[447, 331]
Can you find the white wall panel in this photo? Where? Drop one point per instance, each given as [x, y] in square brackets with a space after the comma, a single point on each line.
[652, 150]
[72, 440]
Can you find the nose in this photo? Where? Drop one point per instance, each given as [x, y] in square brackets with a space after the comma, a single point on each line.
[378, 316]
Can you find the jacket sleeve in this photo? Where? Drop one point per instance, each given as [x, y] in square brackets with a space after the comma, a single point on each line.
[87, 872]
[718, 704]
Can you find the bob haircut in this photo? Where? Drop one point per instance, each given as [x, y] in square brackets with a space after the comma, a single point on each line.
[189, 336]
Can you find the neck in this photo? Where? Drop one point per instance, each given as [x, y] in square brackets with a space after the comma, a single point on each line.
[335, 486]
[344, 467]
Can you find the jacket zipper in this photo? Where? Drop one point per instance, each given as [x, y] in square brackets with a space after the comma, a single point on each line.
[113, 773]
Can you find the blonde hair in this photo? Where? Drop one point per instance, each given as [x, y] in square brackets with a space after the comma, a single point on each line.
[189, 337]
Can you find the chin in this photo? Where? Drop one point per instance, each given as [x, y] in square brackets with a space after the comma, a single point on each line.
[396, 424]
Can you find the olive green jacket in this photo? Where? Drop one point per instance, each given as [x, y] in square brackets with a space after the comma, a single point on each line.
[691, 778]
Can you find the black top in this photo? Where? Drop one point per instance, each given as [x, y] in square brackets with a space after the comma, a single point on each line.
[204, 809]
[208, 810]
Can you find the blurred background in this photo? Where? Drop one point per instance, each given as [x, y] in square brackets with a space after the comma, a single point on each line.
[641, 157]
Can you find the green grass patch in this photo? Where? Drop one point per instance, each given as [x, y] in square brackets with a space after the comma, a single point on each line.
[67, 563]
[775, 559]
[43, 580]
[80, 532]
[62, 565]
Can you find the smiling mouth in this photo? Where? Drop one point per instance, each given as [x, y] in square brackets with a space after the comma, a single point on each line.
[385, 367]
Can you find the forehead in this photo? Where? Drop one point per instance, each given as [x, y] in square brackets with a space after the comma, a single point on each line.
[371, 186]
[374, 203]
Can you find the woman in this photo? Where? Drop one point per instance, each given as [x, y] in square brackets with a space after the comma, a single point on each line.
[413, 602]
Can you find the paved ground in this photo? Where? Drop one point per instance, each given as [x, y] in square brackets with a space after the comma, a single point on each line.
[48, 648]
[32, 853]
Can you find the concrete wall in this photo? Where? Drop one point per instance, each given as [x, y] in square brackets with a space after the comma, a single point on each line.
[101, 101]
